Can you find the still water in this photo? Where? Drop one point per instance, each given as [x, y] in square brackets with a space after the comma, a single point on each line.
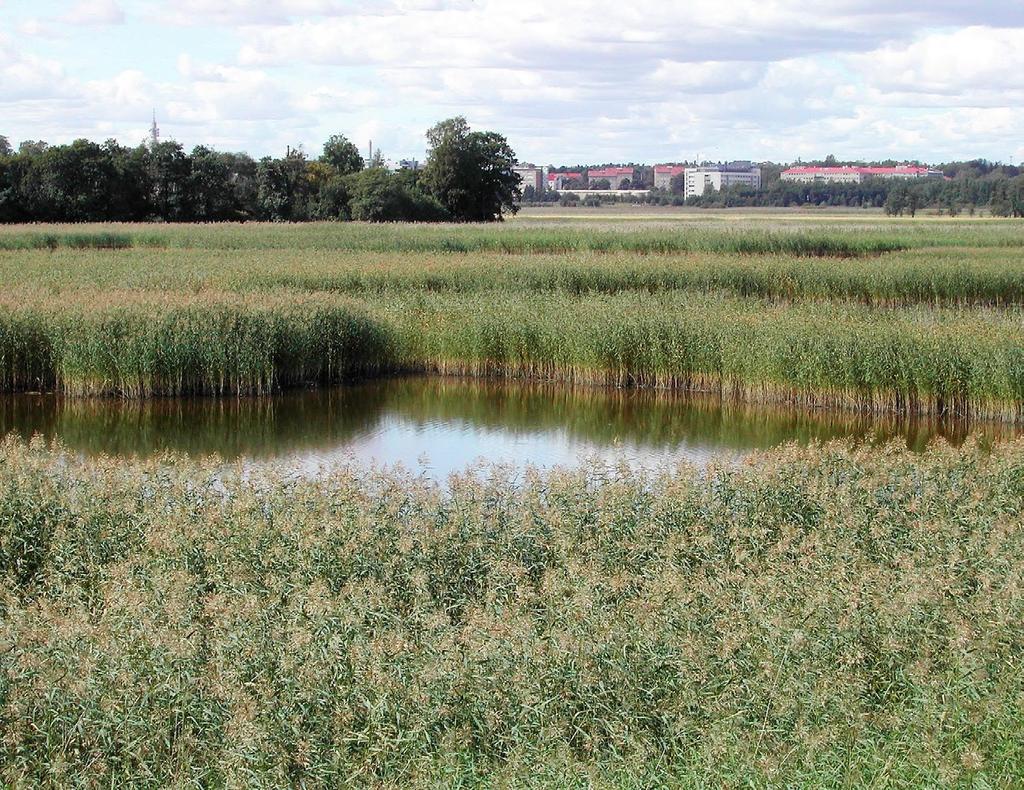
[436, 426]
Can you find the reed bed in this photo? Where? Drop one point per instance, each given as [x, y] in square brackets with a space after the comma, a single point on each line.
[740, 311]
[982, 276]
[166, 344]
[686, 232]
[968, 363]
[828, 617]
[101, 240]
[400, 239]
[993, 277]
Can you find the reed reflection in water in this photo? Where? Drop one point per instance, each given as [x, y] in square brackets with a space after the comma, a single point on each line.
[442, 425]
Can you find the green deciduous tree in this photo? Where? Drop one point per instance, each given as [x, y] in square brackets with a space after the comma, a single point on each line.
[283, 188]
[32, 147]
[378, 195]
[170, 171]
[471, 173]
[342, 154]
[71, 183]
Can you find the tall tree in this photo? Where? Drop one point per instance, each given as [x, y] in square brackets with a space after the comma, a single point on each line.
[5, 147]
[471, 173]
[378, 195]
[170, 171]
[283, 188]
[71, 183]
[131, 195]
[32, 147]
[342, 154]
[210, 195]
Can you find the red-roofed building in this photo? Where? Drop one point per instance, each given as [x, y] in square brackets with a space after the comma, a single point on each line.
[855, 175]
[663, 175]
[616, 176]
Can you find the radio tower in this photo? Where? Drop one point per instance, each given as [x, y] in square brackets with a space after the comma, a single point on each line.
[154, 132]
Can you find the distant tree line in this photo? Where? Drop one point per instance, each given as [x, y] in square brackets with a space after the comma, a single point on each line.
[468, 176]
[968, 187]
[1000, 195]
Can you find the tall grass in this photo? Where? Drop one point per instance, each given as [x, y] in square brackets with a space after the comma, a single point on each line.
[933, 277]
[101, 240]
[806, 330]
[915, 361]
[138, 347]
[830, 617]
[685, 234]
[523, 241]
[981, 277]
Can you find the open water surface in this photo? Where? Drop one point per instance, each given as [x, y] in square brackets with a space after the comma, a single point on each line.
[436, 426]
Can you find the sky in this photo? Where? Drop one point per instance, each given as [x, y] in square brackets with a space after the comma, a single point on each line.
[566, 81]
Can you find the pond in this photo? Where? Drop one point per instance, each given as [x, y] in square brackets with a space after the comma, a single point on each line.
[436, 426]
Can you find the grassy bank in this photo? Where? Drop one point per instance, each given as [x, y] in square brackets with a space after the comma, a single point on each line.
[827, 617]
[139, 343]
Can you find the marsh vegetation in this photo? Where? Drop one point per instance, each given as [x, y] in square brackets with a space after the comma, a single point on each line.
[835, 615]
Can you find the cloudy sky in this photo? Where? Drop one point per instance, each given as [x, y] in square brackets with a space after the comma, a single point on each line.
[565, 80]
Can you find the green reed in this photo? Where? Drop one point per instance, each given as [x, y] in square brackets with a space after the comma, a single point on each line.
[966, 362]
[829, 617]
[993, 276]
[100, 240]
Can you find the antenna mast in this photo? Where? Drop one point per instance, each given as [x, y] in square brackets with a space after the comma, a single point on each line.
[154, 132]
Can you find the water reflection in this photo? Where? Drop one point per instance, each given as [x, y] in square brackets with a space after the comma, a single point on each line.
[443, 425]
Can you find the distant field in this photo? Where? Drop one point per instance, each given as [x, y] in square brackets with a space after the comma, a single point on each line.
[874, 315]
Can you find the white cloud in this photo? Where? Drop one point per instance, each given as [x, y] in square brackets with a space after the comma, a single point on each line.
[570, 81]
[26, 77]
[708, 77]
[949, 63]
[95, 12]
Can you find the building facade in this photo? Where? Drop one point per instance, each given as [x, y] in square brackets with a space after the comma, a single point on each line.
[663, 175]
[558, 181]
[616, 176]
[855, 175]
[530, 176]
[718, 177]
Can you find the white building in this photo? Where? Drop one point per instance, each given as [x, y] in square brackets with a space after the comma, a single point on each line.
[717, 177]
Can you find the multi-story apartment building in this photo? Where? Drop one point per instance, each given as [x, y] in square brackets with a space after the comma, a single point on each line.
[855, 175]
[663, 175]
[716, 177]
[616, 176]
[530, 176]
